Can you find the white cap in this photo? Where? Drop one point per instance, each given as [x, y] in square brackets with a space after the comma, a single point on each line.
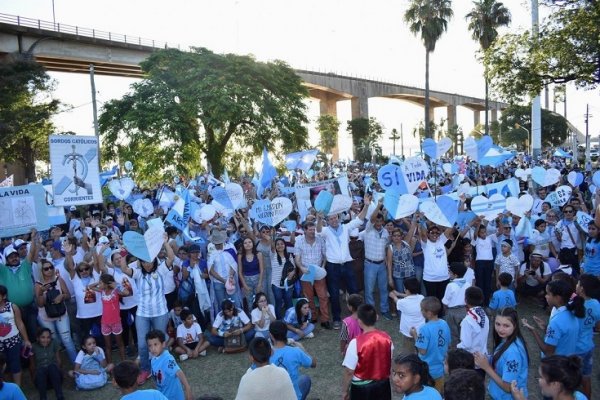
[354, 232]
[103, 240]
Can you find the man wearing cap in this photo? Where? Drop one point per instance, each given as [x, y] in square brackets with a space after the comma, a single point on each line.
[222, 266]
[337, 254]
[533, 276]
[16, 275]
[310, 250]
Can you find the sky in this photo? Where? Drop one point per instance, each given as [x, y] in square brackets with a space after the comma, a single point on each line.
[367, 39]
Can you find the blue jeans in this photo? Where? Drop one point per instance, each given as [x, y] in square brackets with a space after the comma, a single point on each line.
[335, 274]
[221, 294]
[293, 335]
[283, 298]
[61, 327]
[252, 283]
[219, 341]
[376, 274]
[143, 325]
[304, 384]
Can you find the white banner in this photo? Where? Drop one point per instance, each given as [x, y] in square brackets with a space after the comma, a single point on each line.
[75, 177]
[310, 190]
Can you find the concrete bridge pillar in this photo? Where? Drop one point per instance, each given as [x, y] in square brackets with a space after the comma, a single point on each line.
[476, 118]
[360, 107]
[328, 106]
[494, 116]
[451, 110]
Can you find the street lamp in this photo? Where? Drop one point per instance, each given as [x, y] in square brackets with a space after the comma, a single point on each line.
[519, 126]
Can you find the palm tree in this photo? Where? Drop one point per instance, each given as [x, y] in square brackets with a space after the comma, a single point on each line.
[484, 19]
[429, 19]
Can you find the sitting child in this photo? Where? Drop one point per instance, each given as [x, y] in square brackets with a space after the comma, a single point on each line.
[46, 364]
[190, 341]
[503, 297]
[262, 315]
[125, 378]
[91, 369]
[174, 322]
[350, 326]
[297, 319]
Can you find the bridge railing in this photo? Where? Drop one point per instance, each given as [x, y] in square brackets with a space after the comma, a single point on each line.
[79, 31]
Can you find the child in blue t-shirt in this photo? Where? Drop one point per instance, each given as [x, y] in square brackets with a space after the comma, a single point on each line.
[125, 378]
[170, 379]
[588, 288]
[510, 359]
[432, 339]
[562, 331]
[503, 297]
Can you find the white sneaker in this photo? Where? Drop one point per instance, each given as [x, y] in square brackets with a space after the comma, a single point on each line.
[310, 336]
[203, 353]
[183, 357]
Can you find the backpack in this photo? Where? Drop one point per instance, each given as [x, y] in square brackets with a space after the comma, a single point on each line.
[54, 310]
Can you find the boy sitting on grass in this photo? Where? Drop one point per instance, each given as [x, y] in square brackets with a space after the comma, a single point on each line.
[125, 378]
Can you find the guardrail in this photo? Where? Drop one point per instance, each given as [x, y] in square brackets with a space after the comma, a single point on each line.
[85, 32]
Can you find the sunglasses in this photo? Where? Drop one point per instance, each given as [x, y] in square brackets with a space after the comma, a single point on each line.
[48, 268]
[569, 211]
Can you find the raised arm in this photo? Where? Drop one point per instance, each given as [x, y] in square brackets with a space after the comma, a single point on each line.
[34, 248]
[363, 212]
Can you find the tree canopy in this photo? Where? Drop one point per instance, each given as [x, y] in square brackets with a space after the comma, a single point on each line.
[567, 50]
[555, 129]
[199, 102]
[328, 126]
[366, 133]
[25, 113]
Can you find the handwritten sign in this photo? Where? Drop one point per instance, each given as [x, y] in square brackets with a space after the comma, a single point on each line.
[22, 208]
[271, 212]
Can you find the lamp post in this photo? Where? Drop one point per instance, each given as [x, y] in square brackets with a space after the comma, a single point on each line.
[519, 126]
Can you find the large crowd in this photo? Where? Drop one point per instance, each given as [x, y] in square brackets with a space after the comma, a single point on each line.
[234, 284]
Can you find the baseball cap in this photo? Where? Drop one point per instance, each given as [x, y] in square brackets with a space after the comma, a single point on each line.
[18, 243]
[8, 251]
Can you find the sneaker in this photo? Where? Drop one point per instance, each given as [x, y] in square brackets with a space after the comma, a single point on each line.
[310, 336]
[326, 325]
[183, 357]
[143, 377]
[203, 353]
[337, 325]
[387, 316]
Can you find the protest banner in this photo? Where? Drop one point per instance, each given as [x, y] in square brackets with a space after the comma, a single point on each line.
[74, 161]
[22, 208]
[310, 190]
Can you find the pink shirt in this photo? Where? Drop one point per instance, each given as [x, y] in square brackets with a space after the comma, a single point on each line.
[353, 328]
[110, 307]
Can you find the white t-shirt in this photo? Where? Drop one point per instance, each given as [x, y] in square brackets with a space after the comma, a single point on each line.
[470, 276]
[530, 280]
[435, 267]
[474, 331]
[221, 261]
[89, 303]
[59, 265]
[189, 335]
[484, 247]
[256, 315]
[410, 307]
[455, 292]
[98, 353]
[219, 318]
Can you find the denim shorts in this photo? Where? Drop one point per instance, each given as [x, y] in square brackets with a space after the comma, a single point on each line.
[586, 363]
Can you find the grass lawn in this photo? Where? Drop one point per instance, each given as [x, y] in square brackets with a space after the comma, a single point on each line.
[219, 375]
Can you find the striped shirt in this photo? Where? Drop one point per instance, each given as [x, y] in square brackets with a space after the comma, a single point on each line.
[310, 254]
[375, 242]
[151, 289]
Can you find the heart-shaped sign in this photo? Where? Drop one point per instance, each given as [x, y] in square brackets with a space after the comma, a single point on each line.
[575, 178]
[340, 204]
[596, 178]
[490, 207]
[121, 188]
[519, 206]
[143, 207]
[400, 205]
[272, 212]
[229, 198]
[405, 178]
[323, 201]
[443, 211]
[476, 149]
[560, 196]
[144, 247]
[583, 220]
[523, 174]
[436, 150]
[202, 213]
[544, 177]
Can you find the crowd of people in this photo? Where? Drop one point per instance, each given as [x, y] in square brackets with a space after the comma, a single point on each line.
[239, 286]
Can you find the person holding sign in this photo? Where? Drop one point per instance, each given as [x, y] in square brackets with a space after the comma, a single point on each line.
[435, 271]
[337, 254]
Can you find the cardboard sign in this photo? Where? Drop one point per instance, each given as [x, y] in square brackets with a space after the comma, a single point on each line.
[271, 212]
[22, 208]
[144, 247]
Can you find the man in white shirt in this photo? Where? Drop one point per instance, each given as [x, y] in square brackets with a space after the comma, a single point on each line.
[568, 235]
[337, 255]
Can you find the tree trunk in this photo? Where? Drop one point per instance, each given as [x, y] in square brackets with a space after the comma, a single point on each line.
[215, 160]
[487, 103]
[427, 122]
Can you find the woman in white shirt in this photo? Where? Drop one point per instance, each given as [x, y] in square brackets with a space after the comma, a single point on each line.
[484, 261]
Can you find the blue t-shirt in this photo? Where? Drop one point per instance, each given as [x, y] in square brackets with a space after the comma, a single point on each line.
[591, 261]
[434, 337]
[10, 391]
[291, 359]
[511, 366]
[503, 298]
[580, 396]
[164, 371]
[291, 318]
[428, 393]
[149, 394]
[563, 332]
[586, 326]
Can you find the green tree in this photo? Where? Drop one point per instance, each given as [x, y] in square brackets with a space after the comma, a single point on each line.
[429, 19]
[196, 102]
[366, 133]
[25, 113]
[515, 125]
[484, 20]
[567, 50]
[328, 127]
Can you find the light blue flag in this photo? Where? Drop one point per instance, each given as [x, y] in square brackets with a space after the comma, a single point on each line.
[179, 215]
[562, 153]
[105, 176]
[300, 160]
[268, 172]
[495, 156]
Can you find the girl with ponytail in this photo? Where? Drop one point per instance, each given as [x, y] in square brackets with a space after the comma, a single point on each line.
[410, 375]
